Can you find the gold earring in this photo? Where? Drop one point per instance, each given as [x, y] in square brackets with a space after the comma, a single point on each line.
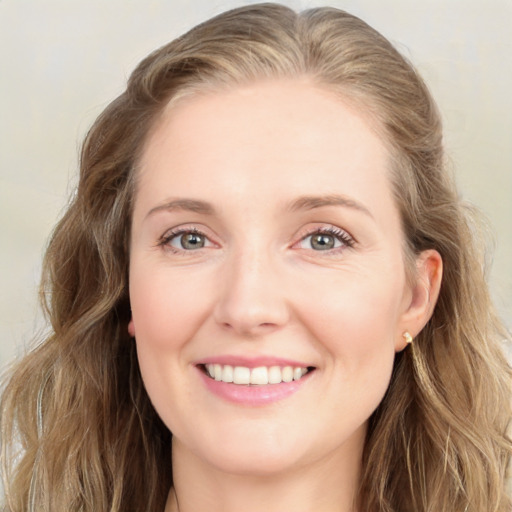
[407, 337]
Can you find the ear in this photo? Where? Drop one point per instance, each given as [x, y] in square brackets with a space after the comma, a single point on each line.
[131, 328]
[422, 297]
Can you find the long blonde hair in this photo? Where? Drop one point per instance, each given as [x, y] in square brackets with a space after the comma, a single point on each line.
[78, 430]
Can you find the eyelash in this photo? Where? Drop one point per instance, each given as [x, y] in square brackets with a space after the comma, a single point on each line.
[165, 240]
[340, 235]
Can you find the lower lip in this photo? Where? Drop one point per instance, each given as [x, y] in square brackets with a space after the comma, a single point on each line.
[253, 395]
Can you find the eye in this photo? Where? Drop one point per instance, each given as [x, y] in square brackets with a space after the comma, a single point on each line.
[188, 241]
[185, 240]
[326, 240]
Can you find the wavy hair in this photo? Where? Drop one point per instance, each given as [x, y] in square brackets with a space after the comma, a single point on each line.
[78, 430]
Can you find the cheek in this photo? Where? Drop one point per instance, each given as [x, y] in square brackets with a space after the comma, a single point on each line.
[166, 307]
[166, 312]
[356, 311]
[355, 325]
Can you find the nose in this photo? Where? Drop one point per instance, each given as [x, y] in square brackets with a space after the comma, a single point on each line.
[252, 297]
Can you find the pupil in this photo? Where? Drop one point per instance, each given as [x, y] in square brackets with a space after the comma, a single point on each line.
[322, 242]
[192, 241]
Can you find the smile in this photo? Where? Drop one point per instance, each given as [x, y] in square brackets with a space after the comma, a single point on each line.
[259, 376]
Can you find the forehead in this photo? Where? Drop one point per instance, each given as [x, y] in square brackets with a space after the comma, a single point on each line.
[282, 138]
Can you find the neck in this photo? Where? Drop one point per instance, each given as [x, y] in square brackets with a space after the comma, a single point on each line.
[329, 485]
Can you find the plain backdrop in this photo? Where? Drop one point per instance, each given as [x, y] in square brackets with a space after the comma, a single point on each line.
[61, 62]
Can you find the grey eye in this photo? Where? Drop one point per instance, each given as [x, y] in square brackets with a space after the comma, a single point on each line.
[325, 241]
[322, 241]
[189, 241]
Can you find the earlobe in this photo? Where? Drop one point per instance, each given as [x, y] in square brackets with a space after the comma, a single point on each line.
[425, 292]
[131, 328]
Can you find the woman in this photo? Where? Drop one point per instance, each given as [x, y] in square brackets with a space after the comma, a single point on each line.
[265, 257]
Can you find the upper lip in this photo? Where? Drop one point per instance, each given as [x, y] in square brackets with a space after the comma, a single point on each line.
[251, 362]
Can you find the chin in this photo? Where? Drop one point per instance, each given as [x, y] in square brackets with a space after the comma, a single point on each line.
[247, 452]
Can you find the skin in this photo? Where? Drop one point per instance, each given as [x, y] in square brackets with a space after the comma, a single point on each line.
[259, 287]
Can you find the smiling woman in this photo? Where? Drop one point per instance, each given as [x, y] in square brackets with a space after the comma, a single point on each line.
[300, 293]
[265, 294]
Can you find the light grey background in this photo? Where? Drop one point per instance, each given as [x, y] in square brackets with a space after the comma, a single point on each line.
[62, 61]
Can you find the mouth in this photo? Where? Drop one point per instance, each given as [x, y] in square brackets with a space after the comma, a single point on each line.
[259, 376]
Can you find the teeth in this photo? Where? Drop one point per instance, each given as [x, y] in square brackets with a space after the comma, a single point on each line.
[227, 373]
[275, 375]
[241, 375]
[287, 374]
[257, 376]
[297, 373]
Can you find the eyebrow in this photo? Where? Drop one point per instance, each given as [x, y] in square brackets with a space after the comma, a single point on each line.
[301, 203]
[312, 202]
[191, 205]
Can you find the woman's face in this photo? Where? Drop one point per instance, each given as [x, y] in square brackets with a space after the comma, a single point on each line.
[265, 247]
